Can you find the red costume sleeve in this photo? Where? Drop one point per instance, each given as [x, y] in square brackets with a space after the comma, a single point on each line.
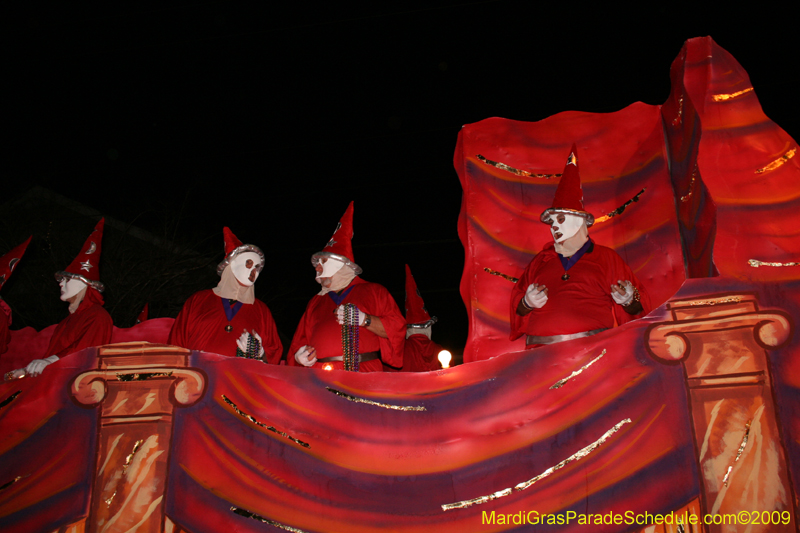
[90, 325]
[317, 328]
[202, 321]
[270, 340]
[623, 272]
[178, 335]
[300, 337]
[581, 303]
[517, 293]
[384, 307]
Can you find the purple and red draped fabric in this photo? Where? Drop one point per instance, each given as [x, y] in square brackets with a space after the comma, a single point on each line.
[414, 443]
[734, 171]
[47, 450]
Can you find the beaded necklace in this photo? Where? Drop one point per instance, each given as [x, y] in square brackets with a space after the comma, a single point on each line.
[350, 338]
[253, 349]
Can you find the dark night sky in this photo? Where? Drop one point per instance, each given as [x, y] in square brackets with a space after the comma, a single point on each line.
[271, 119]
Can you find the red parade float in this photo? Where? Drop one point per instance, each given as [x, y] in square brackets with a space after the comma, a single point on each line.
[690, 411]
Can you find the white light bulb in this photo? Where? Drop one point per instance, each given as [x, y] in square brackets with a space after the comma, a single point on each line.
[445, 357]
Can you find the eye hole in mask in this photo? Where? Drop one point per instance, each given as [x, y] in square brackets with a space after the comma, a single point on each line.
[246, 267]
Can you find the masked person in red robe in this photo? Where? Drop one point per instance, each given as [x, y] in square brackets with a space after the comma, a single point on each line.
[421, 353]
[574, 287]
[7, 265]
[228, 319]
[350, 324]
[88, 323]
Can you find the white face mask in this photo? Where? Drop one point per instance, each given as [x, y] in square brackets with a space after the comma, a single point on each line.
[246, 267]
[330, 267]
[562, 231]
[70, 287]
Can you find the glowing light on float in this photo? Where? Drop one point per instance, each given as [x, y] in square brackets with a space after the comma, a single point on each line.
[445, 357]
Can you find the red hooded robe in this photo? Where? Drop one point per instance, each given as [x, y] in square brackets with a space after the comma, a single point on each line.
[318, 327]
[90, 325]
[201, 326]
[581, 303]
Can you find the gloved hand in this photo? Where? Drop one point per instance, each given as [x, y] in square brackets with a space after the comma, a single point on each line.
[623, 292]
[536, 296]
[306, 356]
[244, 341]
[357, 319]
[36, 366]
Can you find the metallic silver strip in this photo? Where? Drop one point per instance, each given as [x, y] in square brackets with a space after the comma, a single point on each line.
[518, 172]
[423, 325]
[98, 285]
[755, 263]
[730, 96]
[731, 300]
[240, 250]
[504, 276]
[142, 377]
[738, 452]
[125, 466]
[580, 454]
[688, 195]
[621, 209]
[533, 339]
[248, 514]
[778, 162]
[362, 357]
[341, 258]
[7, 484]
[377, 404]
[256, 422]
[559, 383]
[10, 398]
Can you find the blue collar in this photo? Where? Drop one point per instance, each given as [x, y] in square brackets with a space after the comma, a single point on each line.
[569, 262]
[339, 298]
[230, 312]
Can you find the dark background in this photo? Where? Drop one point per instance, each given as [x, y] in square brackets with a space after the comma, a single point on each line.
[181, 118]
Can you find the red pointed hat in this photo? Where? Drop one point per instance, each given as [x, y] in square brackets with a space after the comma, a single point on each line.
[85, 266]
[143, 315]
[340, 246]
[234, 247]
[416, 314]
[569, 194]
[9, 261]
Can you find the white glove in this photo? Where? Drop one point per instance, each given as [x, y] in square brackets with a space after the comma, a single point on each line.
[244, 340]
[241, 342]
[622, 293]
[536, 297]
[36, 366]
[302, 356]
[357, 320]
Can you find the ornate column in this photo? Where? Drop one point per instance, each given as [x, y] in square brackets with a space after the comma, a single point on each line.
[721, 342]
[137, 386]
